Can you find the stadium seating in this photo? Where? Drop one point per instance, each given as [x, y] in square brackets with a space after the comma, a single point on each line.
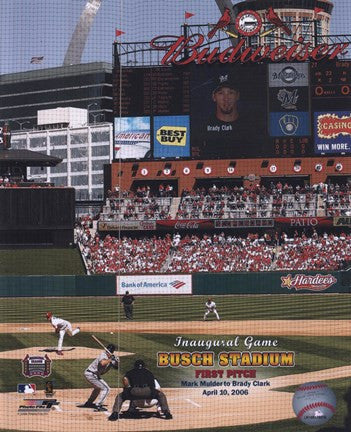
[213, 253]
[259, 201]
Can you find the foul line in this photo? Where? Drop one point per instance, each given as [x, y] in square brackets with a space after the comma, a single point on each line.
[58, 408]
[193, 403]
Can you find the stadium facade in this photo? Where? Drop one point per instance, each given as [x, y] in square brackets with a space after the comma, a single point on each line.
[87, 86]
[84, 151]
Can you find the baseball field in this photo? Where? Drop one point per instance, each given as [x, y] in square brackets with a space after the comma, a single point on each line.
[315, 327]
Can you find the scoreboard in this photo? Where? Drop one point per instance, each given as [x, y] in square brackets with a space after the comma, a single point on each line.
[151, 91]
[331, 80]
[283, 110]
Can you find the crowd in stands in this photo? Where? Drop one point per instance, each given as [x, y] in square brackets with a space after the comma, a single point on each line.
[125, 255]
[138, 205]
[326, 252]
[221, 253]
[15, 182]
[213, 253]
[337, 200]
[256, 201]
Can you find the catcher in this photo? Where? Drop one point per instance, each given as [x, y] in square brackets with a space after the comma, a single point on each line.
[139, 384]
[210, 307]
[93, 372]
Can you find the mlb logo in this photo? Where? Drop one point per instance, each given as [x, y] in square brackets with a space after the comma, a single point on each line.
[26, 388]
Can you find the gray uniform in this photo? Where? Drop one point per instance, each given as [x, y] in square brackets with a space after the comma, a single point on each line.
[93, 374]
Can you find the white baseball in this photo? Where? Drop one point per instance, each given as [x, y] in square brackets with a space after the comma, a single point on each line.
[111, 332]
[314, 403]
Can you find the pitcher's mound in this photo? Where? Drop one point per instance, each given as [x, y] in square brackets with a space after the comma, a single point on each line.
[69, 353]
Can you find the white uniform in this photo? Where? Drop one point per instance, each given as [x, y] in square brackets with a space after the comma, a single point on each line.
[63, 326]
[211, 307]
[93, 374]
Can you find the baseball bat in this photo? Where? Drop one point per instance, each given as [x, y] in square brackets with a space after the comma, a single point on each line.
[101, 344]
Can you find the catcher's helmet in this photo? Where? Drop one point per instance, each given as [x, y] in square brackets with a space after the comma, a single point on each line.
[139, 364]
[111, 348]
[48, 315]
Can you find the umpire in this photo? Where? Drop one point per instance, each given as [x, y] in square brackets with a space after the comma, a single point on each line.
[139, 383]
[128, 301]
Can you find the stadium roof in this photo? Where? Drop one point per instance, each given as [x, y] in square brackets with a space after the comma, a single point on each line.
[56, 72]
[27, 158]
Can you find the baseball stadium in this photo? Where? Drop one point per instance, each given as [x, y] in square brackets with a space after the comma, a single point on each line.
[175, 213]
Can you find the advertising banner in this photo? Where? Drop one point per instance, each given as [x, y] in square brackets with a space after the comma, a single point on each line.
[304, 221]
[243, 223]
[332, 132]
[155, 284]
[132, 137]
[342, 221]
[185, 224]
[128, 225]
[171, 136]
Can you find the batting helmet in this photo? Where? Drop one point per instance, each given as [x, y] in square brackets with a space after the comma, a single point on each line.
[111, 348]
[139, 364]
[48, 315]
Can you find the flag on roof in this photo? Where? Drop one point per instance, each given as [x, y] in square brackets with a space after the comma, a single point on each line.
[37, 60]
[188, 15]
[119, 32]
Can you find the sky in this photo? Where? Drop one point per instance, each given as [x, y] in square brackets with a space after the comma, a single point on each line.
[44, 27]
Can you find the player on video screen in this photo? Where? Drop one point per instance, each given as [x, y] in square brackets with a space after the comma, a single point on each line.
[227, 129]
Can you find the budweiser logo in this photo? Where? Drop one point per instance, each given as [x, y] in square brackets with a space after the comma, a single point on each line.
[308, 282]
[331, 125]
[185, 50]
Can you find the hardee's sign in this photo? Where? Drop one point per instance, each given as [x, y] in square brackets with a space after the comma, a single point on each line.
[185, 50]
[316, 282]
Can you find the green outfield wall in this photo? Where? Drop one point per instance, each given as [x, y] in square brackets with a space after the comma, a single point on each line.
[272, 283]
[56, 286]
[202, 284]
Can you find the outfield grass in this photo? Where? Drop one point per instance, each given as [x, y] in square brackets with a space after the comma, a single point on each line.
[178, 308]
[17, 262]
[312, 353]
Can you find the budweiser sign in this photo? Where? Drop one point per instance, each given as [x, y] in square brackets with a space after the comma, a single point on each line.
[182, 50]
[186, 50]
[316, 282]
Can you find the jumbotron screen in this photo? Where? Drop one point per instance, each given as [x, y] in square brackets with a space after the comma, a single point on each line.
[233, 111]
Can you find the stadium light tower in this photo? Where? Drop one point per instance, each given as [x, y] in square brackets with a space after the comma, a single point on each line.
[80, 35]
